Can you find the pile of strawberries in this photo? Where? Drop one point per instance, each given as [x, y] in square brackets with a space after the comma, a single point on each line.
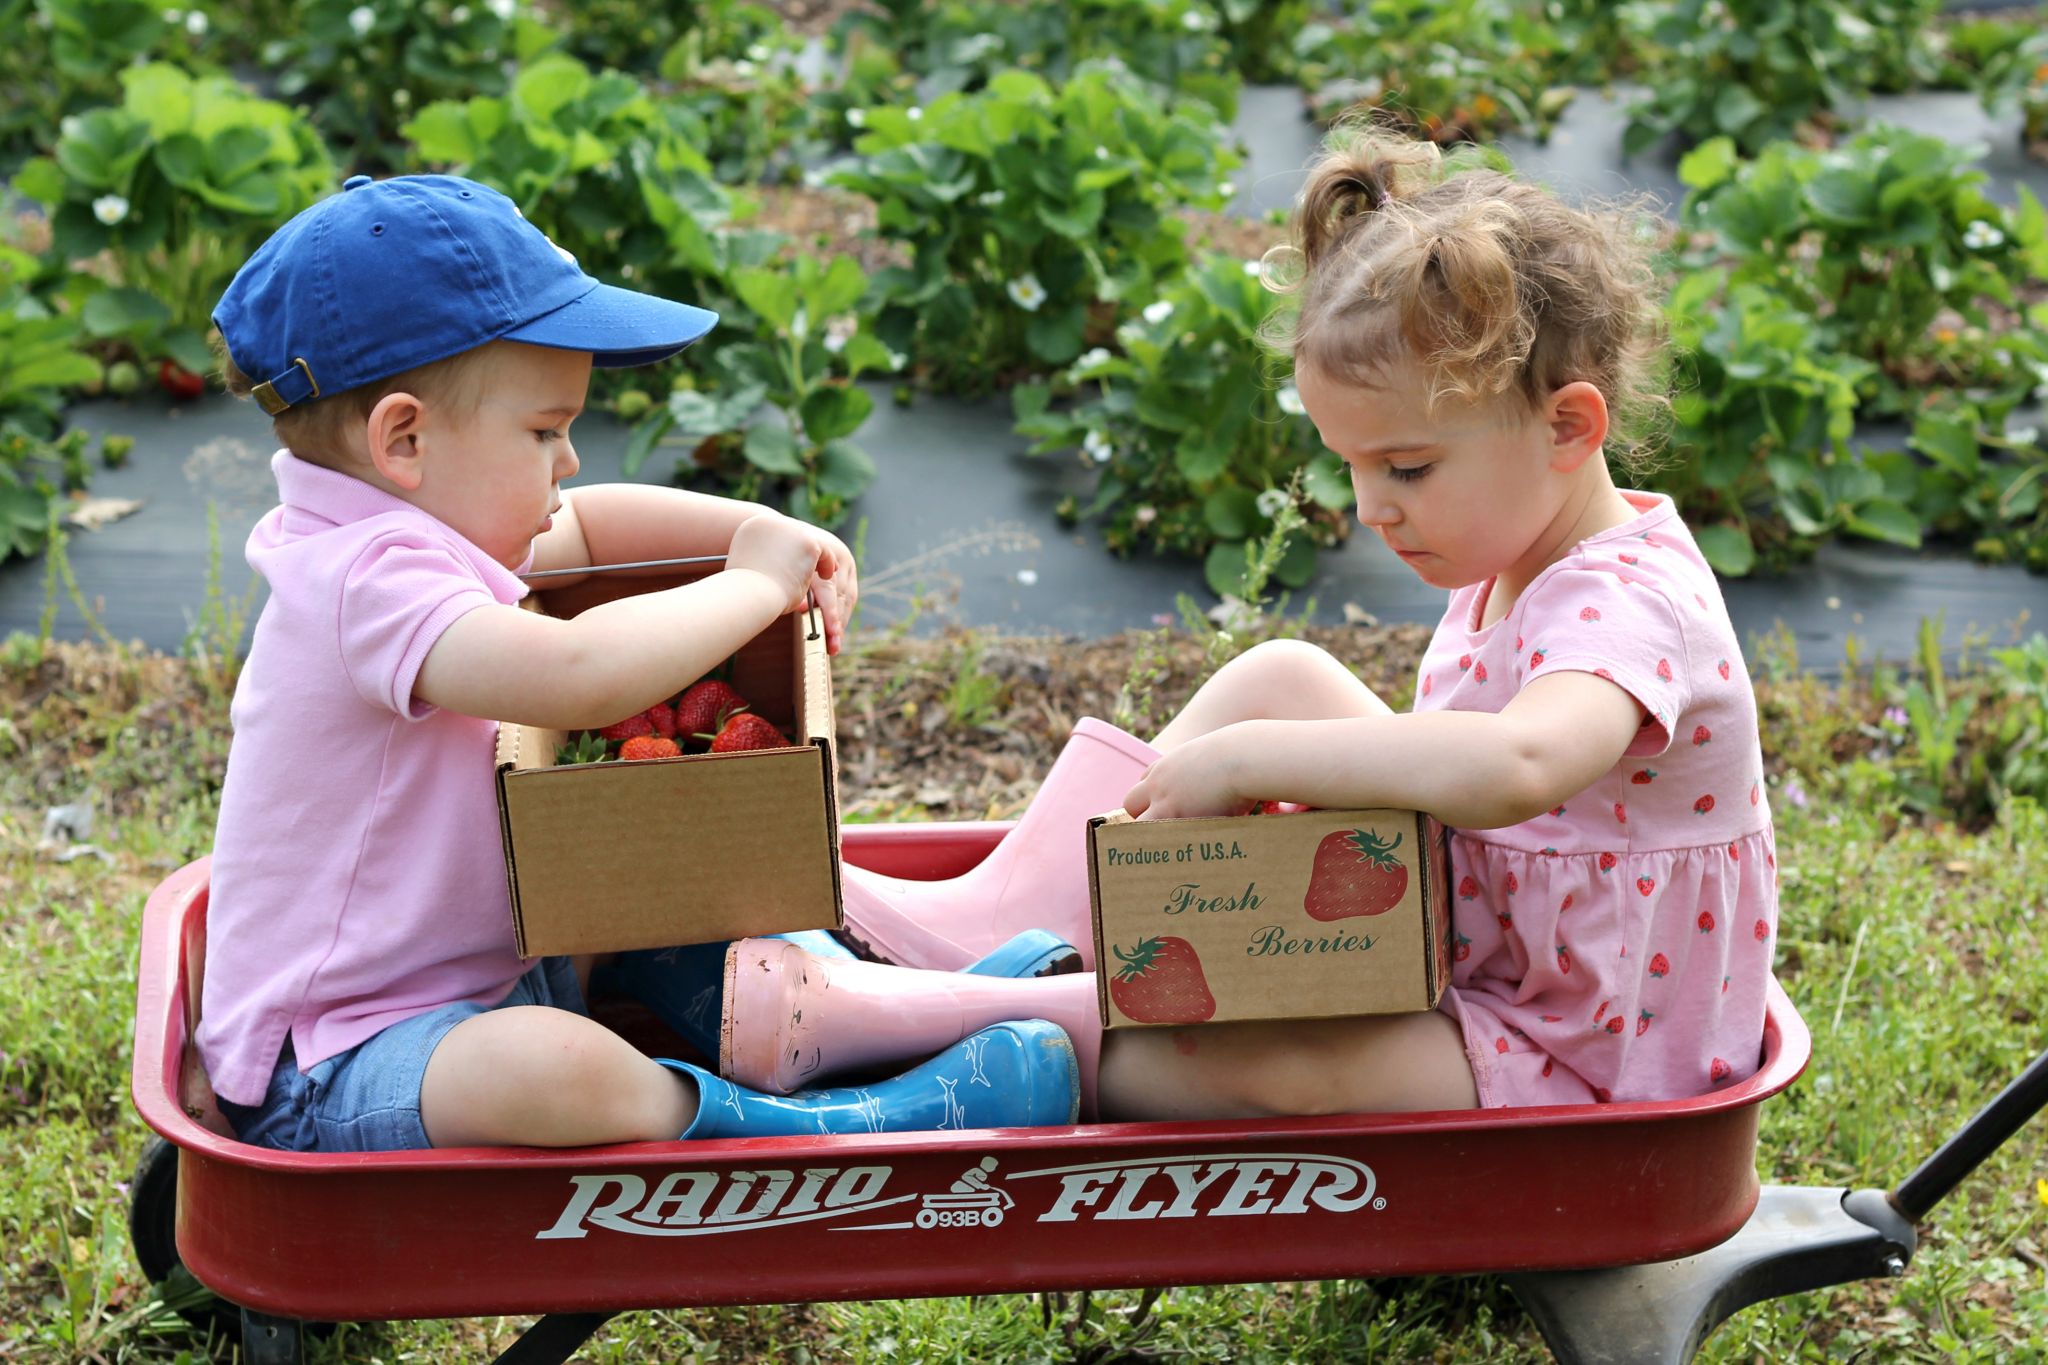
[708, 717]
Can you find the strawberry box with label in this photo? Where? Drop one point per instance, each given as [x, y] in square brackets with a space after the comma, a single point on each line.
[1302, 915]
[712, 815]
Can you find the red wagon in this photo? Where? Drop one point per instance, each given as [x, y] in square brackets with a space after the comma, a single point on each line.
[1544, 1195]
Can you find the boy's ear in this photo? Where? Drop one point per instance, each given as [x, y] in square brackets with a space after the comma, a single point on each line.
[393, 433]
[1577, 417]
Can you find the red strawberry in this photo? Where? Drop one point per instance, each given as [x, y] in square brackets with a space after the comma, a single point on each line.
[1479, 672]
[662, 717]
[1615, 1024]
[1646, 884]
[746, 731]
[1620, 815]
[1467, 888]
[1703, 805]
[1607, 862]
[1718, 1072]
[704, 706]
[1355, 873]
[632, 727]
[1567, 903]
[1589, 613]
[1643, 1022]
[1643, 777]
[1722, 669]
[648, 746]
[1161, 982]
[179, 382]
[1564, 959]
[1536, 659]
[1660, 965]
[1701, 734]
[1463, 950]
[1706, 921]
[1762, 931]
[1664, 670]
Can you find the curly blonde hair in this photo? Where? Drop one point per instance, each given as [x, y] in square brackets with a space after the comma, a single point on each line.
[1496, 288]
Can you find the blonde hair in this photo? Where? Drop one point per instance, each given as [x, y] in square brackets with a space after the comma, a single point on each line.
[319, 429]
[1495, 288]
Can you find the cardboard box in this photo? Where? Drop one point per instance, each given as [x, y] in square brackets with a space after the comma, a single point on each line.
[610, 856]
[1300, 916]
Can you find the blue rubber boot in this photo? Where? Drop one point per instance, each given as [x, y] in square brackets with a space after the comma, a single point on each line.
[685, 986]
[1020, 1074]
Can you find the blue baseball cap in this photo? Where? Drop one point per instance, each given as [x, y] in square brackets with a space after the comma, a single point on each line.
[392, 274]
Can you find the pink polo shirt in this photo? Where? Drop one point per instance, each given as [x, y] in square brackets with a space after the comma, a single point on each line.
[358, 877]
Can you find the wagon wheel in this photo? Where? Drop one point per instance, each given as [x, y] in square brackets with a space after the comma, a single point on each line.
[152, 1228]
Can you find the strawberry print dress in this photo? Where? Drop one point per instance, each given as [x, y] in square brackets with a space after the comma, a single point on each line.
[1617, 947]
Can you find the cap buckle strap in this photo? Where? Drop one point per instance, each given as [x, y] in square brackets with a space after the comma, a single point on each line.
[277, 394]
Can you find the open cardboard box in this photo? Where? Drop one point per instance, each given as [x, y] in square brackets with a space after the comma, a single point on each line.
[609, 856]
[1310, 915]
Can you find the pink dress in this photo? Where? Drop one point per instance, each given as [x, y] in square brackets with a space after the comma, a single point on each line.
[1619, 946]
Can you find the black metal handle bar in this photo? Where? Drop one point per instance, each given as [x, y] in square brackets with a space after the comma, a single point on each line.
[1982, 1135]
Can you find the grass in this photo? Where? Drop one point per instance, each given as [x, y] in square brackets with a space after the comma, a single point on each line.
[1912, 945]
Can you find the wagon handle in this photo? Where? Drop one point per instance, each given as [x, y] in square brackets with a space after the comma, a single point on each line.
[810, 602]
[1982, 1135]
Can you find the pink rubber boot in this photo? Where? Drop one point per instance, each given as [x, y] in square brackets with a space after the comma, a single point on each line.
[1036, 878]
[793, 1020]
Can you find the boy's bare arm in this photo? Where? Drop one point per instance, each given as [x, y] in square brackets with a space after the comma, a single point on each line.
[1470, 769]
[620, 523]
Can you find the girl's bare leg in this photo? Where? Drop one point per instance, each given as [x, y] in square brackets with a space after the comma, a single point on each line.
[1277, 680]
[1374, 1064]
[532, 1075]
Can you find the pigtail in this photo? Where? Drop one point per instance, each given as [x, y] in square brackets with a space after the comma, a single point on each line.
[1464, 309]
[1361, 171]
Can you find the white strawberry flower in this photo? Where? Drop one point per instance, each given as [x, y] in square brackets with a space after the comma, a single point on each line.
[361, 20]
[1027, 576]
[1981, 235]
[195, 23]
[1026, 292]
[1271, 501]
[990, 199]
[504, 9]
[1096, 446]
[913, 113]
[857, 118]
[1194, 21]
[1090, 359]
[2022, 436]
[110, 209]
[1290, 401]
[1156, 313]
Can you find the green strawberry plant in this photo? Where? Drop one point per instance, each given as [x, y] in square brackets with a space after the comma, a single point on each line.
[1975, 474]
[64, 56]
[808, 350]
[2017, 75]
[1193, 441]
[178, 184]
[1759, 71]
[1461, 71]
[39, 360]
[1031, 214]
[361, 66]
[1890, 243]
[736, 73]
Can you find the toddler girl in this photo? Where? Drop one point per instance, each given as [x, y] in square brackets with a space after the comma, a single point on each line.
[1582, 718]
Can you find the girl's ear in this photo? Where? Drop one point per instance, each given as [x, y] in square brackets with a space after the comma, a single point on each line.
[1577, 417]
[393, 433]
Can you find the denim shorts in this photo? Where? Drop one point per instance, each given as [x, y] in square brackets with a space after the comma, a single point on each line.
[367, 1099]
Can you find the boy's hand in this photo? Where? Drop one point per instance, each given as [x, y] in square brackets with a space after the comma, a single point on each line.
[837, 593]
[787, 552]
[1191, 780]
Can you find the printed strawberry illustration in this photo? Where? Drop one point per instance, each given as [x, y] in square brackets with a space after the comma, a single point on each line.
[1464, 662]
[1664, 670]
[1463, 950]
[1557, 810]
[1479, 671]
[1660, 965]
[1564, 959]
[1734, 853]
[1718, 1071]
[1536, 659]
[1589, 613]
[1706, 921]
[1601, 1013]
[1355, 873]
[1512, 884]
[1551, 1018]
[704, 706]
[1425, 684]
[648, 746]
[1500, 1045]
[1722, 669]
[1603, 673]
[1506, 918]
[1607, 861]
[1548, 1062]
[1518, 644]
[1643, 777]
[1567, 903]
[1643, 1022]
[1467, 888]
[746, 731]
[1627, 559]
[1161, 982]
[1701, 734]
[1646, 884]
[1703, 805]
[632, 727]
[1761, 930]
[1755, 794]
[1620, 816]
[1616, 1024]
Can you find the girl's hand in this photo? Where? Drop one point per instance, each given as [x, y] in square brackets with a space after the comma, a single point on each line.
[837, 593]
[1194, 779]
